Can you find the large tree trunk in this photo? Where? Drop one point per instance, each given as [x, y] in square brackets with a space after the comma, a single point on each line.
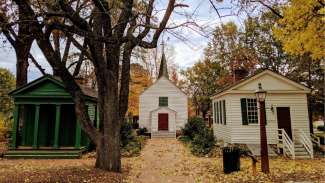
[23, 44]
[108, 152]
[108, 147]
[22, 47]
[22, 53]
[106, 40]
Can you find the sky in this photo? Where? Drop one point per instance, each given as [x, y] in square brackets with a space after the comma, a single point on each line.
[186, 53]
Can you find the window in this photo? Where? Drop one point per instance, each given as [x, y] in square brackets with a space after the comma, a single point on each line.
[163, 101]
[224, 112]
[217, 104]
[249, 111]
[220, 112]
[215, 112]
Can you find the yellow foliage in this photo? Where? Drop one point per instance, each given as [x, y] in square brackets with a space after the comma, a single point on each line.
[301, 29]
[140, 80]
[4, 129]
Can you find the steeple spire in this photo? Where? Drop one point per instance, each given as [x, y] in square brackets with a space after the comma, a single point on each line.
[163, 64]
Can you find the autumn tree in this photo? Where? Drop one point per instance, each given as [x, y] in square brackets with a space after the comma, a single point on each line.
[229, 47]
[7, 84]
[139, 80]
[106, 32]
[301, 29]
[201, 81]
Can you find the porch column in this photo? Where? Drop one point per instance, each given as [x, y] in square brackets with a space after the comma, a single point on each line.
[15, 127]
[57, 126]
[78, 135]
[35, 143]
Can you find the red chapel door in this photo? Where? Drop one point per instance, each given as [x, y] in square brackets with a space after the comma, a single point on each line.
[162, 121]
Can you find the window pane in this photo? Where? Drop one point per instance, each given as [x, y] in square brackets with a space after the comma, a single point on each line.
[163, 101]
[252, 114]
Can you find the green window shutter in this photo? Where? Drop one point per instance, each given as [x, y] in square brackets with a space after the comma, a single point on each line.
[224, 112]
[244, 111]
[217, 112]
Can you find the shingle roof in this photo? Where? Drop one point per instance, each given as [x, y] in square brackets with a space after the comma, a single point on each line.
[85, 90]
[227, 87]
[163, 71]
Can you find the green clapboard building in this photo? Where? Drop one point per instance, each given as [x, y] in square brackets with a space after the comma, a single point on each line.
[49, 128]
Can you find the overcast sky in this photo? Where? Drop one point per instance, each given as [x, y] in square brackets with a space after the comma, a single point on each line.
[186, 53]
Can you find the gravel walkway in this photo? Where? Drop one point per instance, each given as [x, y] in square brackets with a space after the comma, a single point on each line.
[159, 162]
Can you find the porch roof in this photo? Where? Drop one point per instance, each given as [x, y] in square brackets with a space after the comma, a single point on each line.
[50, 88]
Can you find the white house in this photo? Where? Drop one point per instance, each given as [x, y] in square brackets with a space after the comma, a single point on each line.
[163, 106]
[236, 113]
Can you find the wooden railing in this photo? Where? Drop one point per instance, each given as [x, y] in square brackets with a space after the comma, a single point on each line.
[315, 140]
[286, 143]
[305, 140]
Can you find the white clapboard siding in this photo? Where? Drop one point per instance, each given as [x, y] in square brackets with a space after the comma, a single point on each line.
[149, 101]
[171, 119]
[281, 93]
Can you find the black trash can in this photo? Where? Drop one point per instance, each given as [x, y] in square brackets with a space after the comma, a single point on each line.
[231, 159]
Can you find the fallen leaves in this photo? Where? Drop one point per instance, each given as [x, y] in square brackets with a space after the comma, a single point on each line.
[206, 170]
[160, 161]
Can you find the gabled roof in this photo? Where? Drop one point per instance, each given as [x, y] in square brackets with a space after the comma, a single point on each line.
[53, 82]
[163, 73]
[257, 75]
[156, 83]
[163, 108]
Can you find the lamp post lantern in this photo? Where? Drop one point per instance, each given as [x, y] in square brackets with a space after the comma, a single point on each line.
[261, 95]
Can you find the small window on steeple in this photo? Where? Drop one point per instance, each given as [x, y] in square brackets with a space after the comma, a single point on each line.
[163, 101]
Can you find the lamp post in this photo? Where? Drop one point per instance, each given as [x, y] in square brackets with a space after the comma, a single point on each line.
[261, 95]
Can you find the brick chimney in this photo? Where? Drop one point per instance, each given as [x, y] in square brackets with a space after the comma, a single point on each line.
[239, 74]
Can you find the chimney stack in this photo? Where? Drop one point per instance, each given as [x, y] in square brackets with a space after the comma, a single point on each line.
[239, 74]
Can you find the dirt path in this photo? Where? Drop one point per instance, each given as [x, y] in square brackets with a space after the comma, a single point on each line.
[160, 161]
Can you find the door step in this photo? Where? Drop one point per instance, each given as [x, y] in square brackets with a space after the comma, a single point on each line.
[301, 152]
[163, 134]
[44, 154]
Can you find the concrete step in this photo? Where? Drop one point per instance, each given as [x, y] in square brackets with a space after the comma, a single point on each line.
[300, 149]
[44, 154]
[301, 153]
[299, 145]
[303, 157]
[163, 134]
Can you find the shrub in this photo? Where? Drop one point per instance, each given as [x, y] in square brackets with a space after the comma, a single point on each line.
[321, 128]
[193, 126]
[126, 133]
[131, 144]
[135, 125]
[185, 139]
[142, 131]
[133, 148]
[4, 130]
[203, 142]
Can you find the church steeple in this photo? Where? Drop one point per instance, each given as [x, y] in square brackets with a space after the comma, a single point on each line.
[163, 65]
